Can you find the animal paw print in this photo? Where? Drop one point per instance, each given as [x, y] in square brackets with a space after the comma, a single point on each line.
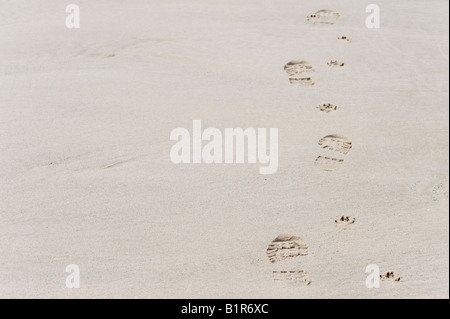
[285, 247]
[440, 191]
[327, 108]
[389, 275]
[345, 220]
[344, 38]
[296, 276]
[431, 190]
[323, 17]
[335, 64]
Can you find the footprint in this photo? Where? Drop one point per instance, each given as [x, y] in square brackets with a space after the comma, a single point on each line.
[286, 247]
[297, 276]
[302, 81]
[390, 276]
[335, 64]
[334, 149]
[431, 190]
[440, 191]
[323, 17]
[344, 38]
[345, 220]
[328, 163]
[327, 14]
[327, 108]
[336, 143]
[295, 69]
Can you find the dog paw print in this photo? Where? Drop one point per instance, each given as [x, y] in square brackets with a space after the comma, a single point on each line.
[344, 38]
[389, 276]
[335, 64]
[344, 220]
[327, 108]
[323, 17]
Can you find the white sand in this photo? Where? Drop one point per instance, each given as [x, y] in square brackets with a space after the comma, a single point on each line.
[86, 178]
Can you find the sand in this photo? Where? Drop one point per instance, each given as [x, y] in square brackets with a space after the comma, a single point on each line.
[86, 177]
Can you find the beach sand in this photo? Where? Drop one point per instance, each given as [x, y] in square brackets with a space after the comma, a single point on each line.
[86, 176]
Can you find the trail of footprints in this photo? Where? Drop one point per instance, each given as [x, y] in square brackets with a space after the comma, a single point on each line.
[286, 251]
